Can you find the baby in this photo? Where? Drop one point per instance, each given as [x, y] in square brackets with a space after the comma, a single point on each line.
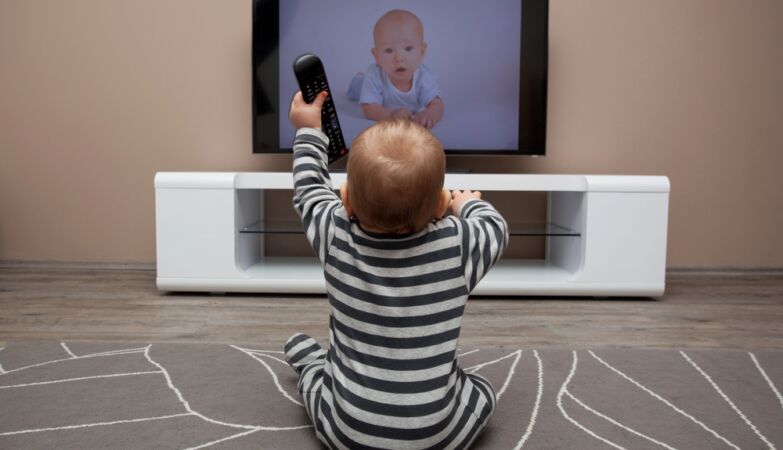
[398, 274]
[398, 84]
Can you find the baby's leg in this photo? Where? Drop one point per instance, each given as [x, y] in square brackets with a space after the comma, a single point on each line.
[301, 350]
[485, 406]
[307, 358]
[487, 392]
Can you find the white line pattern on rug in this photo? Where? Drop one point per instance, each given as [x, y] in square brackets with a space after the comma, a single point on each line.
[510, 387]
[668, 403]
[92, 355]
[274, 358]
[560, 394]
[479, 366]
[67, 380]
[728, 400]
[255, 350]
[245, 433]
[766, 377]
[264, 353]
[95, 424]
[68, 350]
[511, 371]
[539, 394]
[271, 372]
[208, 419]
[468, 353]
[616, 423]
[227, 438]
[185, 402]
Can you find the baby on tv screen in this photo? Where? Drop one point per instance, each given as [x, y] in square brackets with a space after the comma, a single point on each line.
[453, 66]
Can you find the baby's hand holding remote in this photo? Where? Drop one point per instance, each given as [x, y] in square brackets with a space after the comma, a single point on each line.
[458, 198]
[306, 115]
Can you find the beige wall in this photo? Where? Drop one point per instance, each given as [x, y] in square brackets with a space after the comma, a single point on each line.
[98, 95]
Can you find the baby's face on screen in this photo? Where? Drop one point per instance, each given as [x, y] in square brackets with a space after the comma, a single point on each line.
[399, 46]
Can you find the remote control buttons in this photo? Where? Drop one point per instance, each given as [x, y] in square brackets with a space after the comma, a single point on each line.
[312, 80]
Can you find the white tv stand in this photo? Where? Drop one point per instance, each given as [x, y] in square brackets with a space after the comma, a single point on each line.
[606, 235]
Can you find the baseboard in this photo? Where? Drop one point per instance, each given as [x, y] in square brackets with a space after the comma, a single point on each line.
[725, 271]
[114, 265]
[82, 265]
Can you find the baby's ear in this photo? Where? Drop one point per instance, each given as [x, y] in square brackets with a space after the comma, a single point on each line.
[344, 198]
[443, 204]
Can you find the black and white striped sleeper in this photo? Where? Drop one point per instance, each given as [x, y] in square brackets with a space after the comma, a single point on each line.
[389, 378]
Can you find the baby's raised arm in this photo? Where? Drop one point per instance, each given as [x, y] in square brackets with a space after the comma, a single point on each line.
[460, 197]
[314, 200]
[485, 234]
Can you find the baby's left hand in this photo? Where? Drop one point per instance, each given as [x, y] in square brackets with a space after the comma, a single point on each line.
[426, 118]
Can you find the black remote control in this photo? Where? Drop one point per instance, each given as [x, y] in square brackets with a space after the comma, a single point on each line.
[311, 76]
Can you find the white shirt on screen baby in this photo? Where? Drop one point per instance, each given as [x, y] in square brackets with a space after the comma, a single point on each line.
[377, 88]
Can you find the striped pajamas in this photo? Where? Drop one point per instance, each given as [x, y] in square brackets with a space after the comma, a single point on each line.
[390, 378]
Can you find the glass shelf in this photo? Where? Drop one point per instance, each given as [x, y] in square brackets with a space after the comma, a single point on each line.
[521, 229]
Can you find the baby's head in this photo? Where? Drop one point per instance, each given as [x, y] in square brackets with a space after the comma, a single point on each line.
[395, 174]
[399, 44]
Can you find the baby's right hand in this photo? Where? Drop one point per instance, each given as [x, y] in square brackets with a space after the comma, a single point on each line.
[303, 114]
[458, 198]
[402, 113]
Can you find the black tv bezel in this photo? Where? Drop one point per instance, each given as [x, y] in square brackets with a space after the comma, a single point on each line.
[533, 72]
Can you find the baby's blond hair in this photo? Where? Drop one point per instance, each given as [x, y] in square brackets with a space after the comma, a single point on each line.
[397, 15]
[395, 174]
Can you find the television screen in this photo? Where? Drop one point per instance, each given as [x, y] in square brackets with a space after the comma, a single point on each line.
[472, 70]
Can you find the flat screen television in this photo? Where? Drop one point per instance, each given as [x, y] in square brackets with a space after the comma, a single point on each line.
[488, 60]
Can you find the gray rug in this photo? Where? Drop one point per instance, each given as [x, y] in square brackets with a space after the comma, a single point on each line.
[111, 395]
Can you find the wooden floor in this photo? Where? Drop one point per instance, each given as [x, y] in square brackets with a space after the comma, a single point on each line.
[740, 310]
